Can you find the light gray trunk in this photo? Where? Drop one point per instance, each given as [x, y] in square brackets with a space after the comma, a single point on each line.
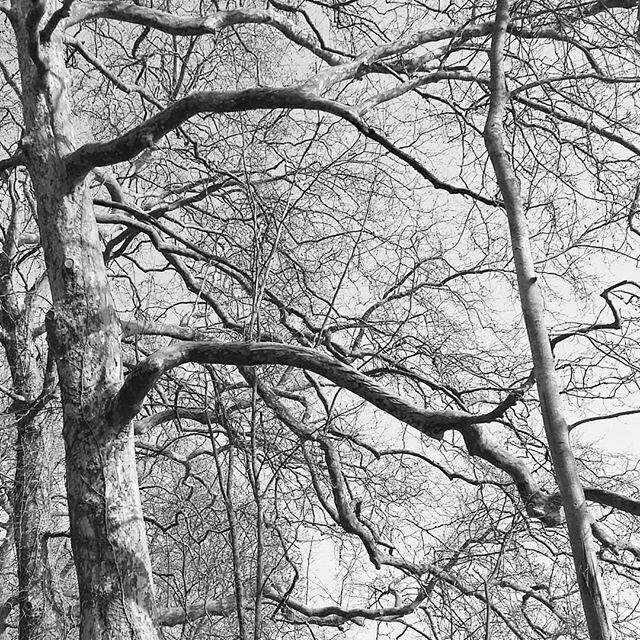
[557, 432]
[31, 517]
[107, 529]
[31, 490]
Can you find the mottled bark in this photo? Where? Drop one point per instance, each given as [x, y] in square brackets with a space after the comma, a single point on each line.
[31, 518]
[107, 529]
[556, 428]
[31, 491]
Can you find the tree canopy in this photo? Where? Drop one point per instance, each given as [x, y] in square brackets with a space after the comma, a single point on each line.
[305, 308]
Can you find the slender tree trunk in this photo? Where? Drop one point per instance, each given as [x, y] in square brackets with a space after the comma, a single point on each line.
[31, 488]
[578, 521]
[107, 529]
[31, 522]
[31, 517]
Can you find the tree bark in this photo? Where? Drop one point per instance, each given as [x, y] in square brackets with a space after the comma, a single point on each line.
[31, 485]
[31, 521]
[31, 517]
[556, 428]
[107, 529]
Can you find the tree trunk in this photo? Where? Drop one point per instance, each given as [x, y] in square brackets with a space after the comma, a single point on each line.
[107, 529]
[31, 516]
[31, 487]
[31, 521]
[578, 521]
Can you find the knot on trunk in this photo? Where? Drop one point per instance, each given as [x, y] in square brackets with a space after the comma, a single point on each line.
[546, 508]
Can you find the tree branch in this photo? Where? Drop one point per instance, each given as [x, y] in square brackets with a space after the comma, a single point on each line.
[145, 135]
[10, 80]
[127, 402]
[139, 382]
[16, 160]
[186, 25]
[132, 328]
[611, 499]
[564, 464]
[96, 64]
[578, 122]
[32, 22]
[205, 417]
[173, 616]
[14, 396]
[57, 17]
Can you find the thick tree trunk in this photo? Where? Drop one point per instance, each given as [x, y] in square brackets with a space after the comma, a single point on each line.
[107, 528]
[578, 521]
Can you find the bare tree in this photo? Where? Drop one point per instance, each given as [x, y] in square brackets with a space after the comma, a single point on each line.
[279, 220]
[556, 427]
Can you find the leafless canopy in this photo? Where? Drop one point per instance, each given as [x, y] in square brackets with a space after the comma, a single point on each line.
[257, 290]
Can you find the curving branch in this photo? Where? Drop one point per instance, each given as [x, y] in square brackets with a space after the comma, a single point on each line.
[616, 323]
[145, 135]
[339, 615]
[344, 513]
[141, 380]
[191, 25]
[295, 611]
[56, 18]
[127, 402]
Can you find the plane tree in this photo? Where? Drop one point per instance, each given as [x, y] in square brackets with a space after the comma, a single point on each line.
[280, 222]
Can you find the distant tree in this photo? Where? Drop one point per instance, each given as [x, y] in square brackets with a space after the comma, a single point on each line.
[281, 222]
